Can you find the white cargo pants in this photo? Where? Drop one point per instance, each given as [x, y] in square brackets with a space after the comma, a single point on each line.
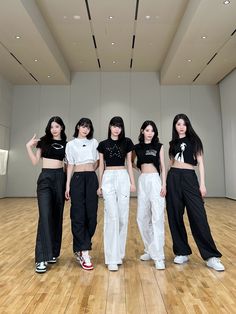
[116, 192]
[150, 214]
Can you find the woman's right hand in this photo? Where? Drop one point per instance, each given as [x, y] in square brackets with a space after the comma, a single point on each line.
[67, 194]
[99, 191]
[33, 141]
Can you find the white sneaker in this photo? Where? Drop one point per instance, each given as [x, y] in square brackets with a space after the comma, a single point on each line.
[215, 263]
[84, 259]
[145, 257]
[41, 267]
[160, 264]
[180, 259]
[113, 267]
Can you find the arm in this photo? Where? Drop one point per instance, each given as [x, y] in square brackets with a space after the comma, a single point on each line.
[34, 157]
[70, 169]
[133, 157]
[101, 169]
[130, 171]
[202, 187]
[163, 172]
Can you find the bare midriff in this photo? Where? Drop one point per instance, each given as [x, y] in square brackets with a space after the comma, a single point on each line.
[84, 167]
[52, 163]
[115, 168]
[148, 168]
[181, 165]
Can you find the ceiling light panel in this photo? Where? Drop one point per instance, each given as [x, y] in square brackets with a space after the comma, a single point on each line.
[70, 31]
[119, 29]
[157, 31]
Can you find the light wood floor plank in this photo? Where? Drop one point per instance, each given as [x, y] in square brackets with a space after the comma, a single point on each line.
[137, 288]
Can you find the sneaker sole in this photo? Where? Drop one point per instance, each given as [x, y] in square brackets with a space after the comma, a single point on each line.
[41, 271]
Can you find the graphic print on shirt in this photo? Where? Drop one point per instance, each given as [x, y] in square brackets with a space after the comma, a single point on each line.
[180, 156]
[114, 151]
[57, 146]
[151, 152]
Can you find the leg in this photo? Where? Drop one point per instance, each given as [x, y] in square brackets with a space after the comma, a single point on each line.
[111, 220]
[198, 219]
[77, 211]
[91, 206]
[175, 211]
[123, 194]
[156, 247]
[144, 214]
[44, 239]
[59, 197]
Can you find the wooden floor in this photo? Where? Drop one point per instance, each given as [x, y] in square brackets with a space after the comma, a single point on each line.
[136, 288]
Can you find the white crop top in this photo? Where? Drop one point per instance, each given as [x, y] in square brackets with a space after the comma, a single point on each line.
[82, 151]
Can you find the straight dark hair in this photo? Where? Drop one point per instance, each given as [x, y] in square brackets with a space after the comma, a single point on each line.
[190, 134]
[86, 123]
[117, 121]
[146, 123]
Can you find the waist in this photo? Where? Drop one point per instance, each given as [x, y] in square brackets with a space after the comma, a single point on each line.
[181, 170]
[52, 163]
[115, 168]
[148, 168]
[84, 167]
[182, 165]
[52, 170]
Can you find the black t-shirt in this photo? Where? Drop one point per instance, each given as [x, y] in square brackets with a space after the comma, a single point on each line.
[148, 154]
[54, 149]
[115, 151]
[183, 151]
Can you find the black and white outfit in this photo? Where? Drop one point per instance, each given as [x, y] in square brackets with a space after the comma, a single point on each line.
[51, 199]
[150, 211]
[183, 191]
[83, 192]
[116, 192]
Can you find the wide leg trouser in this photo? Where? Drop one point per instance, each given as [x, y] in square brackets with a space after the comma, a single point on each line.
[183, 191]
[51, 199]
[83, 212]
[116, 192]
[150, 214]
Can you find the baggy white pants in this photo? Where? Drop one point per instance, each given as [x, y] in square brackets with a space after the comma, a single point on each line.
[116, 192]
[150, 214]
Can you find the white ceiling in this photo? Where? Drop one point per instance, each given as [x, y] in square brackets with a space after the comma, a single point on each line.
[68, 36]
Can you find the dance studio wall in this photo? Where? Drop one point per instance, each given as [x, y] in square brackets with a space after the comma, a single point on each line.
[100, 96]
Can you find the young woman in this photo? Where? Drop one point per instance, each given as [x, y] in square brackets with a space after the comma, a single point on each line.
[151, 193]
[82, 158]
[50, 191]
[115, 184]
[183, 190]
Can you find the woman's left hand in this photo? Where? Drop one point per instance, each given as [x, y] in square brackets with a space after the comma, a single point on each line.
[132, 188]
[163, 191]
[203, 190]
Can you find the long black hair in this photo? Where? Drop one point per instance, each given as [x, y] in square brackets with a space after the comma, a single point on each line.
[117, 121]
[48, 134]
[190, 134]
[146, 123]
[85, 122]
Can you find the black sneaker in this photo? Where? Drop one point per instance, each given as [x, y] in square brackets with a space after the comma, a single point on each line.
[52, 261]
[41, 267]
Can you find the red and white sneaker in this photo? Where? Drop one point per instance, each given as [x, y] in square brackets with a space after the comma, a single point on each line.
[84, 259]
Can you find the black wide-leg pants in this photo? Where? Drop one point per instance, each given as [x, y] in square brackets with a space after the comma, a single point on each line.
[183, 191]
[51, 199]
[83, 212]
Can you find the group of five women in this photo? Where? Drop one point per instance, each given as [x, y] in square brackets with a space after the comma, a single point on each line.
[115, 158]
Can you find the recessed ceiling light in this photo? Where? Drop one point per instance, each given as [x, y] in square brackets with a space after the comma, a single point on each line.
[76, 17]
[204, 37]
[189, 60]
[114, 62]
[64, 17]
[110, 17]
[36, 60]
[49, 76]
[226, 2]
[17, 37]
[179, 76]
[147, 17]
[113, 43]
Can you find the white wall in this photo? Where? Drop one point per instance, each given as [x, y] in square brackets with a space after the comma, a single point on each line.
[6, 91]
[100, 96]
[228, 109]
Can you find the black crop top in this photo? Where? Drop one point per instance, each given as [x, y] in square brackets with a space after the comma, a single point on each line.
[115, 152]
[55, 149]
[148, 154]
[183, 151]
